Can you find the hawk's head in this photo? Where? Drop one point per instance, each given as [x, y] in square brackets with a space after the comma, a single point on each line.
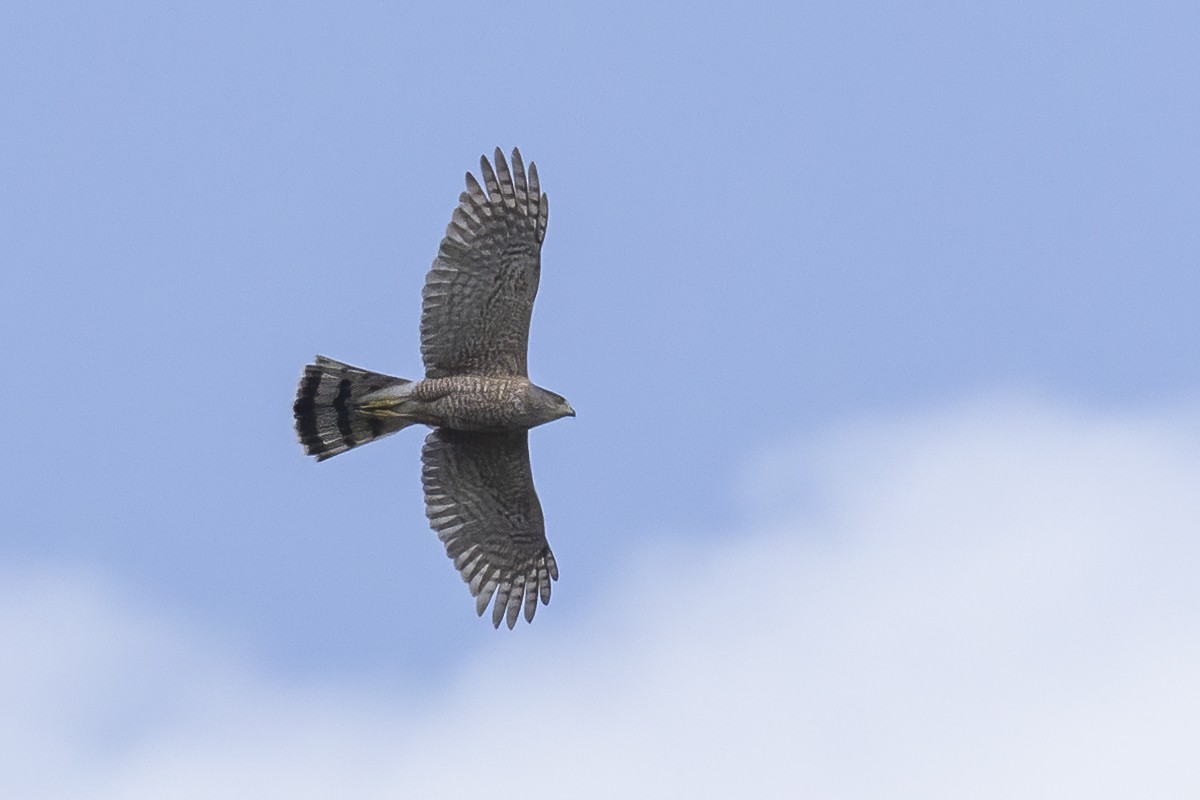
[550, 405]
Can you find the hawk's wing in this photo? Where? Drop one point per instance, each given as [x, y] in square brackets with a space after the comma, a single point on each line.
[478, 295]
[480, 499]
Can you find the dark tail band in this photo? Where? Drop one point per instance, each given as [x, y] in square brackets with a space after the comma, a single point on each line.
[328, 418]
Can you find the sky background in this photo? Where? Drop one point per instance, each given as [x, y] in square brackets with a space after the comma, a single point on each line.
[881, 325]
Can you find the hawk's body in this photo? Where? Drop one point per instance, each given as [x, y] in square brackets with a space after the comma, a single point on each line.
[477, 303]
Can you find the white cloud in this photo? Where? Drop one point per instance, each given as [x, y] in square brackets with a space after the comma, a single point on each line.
[995, 601]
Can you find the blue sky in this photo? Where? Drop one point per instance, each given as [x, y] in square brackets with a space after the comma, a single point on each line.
[774, 228]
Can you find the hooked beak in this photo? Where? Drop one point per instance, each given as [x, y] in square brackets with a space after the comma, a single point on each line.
[570, 411]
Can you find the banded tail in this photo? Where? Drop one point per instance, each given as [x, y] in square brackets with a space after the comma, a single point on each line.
[329, 408]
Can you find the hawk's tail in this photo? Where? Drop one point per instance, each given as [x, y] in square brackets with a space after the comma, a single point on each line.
[330, 413]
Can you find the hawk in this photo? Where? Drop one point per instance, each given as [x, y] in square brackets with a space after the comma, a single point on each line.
[476, 394]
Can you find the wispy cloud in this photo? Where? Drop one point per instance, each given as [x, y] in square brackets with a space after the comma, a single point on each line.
[993, 601]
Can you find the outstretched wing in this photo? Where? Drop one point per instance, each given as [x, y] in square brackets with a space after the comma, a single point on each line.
[478, 296]
[480, 499]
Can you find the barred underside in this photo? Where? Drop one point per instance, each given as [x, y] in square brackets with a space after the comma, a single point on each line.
[480, 499]
[328, 419]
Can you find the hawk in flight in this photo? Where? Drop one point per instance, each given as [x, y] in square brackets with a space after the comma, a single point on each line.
[476, 394]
